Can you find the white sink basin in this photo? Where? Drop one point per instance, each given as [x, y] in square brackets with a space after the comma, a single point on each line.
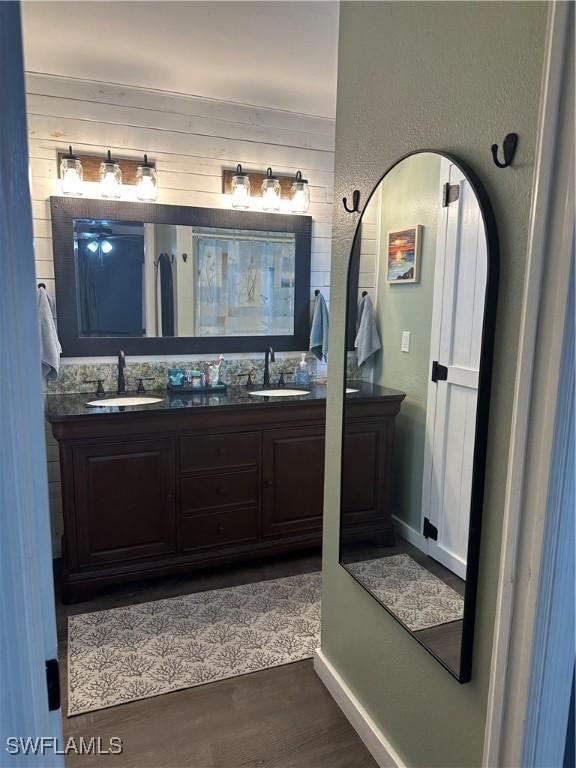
[115, 402]
[284, 392]
[351, 390]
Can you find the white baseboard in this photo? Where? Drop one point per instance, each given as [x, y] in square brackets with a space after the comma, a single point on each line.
[375, 741]
[410, 534]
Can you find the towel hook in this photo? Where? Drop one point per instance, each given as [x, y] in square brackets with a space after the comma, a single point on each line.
[316, 292]
[42, 285]
[508, 147]
[355, 202]
[364, 293]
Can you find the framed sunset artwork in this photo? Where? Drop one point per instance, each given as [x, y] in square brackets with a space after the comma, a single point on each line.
[403, 255]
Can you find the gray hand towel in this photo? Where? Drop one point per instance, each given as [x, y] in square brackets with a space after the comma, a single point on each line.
[50, 348]
[319, 330]
[367, 338]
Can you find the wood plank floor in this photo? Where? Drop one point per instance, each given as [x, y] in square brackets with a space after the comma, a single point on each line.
[277, 718]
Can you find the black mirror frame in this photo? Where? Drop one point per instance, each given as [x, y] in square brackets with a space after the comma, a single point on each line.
[65, 209]
[464, 674]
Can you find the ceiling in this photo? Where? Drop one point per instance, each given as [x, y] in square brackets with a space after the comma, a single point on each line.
[281, 55]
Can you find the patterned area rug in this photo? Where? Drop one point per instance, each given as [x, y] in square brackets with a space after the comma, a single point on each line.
[124, 654]
[131, 653]
[418, 598]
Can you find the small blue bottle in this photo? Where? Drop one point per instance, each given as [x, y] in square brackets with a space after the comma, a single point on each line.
[302, 377]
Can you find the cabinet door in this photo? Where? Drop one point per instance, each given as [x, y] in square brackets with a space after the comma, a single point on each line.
[125, 501]
[293, 480]
[367, 454]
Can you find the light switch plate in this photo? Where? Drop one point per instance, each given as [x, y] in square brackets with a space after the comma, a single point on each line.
[405, 347]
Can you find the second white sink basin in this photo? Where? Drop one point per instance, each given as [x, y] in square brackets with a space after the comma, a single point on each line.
[284, 392]
[115, 402]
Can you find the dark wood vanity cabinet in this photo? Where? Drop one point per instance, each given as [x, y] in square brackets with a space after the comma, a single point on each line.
[156, 492]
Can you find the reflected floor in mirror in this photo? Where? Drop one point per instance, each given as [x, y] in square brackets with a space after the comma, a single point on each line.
[424, 595]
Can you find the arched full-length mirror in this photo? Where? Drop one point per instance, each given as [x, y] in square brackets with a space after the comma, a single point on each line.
[421, 306]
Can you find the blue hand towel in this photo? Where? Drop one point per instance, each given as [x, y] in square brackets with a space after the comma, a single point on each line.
[50, 348]
[319, 330]
[367, 338]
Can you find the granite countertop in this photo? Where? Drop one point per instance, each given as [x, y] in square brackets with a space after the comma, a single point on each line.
[60, 408]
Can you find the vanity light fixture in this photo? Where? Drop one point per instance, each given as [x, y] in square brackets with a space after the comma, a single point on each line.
[240, 189]
[300, 193]
[271, 192]
[102, 245]
[110, 178]
[71, 174]
[146, 182]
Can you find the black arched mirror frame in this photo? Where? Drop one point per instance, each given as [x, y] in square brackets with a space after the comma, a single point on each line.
[463, 674]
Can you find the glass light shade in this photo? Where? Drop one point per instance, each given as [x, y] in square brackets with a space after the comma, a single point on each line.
[271, 192]
[300, 192]
[240, 189]
[106, 246]
[110, 178]
[71, 175]
[146, 182]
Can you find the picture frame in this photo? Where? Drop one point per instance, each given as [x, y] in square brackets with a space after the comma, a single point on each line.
[403, 255]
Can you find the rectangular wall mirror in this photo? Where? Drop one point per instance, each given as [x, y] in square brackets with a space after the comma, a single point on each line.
[425, 333]
[175, 279]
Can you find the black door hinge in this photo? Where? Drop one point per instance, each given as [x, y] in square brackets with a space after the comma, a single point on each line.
[439, 372]
[450, 194]
[53, 684]
[430, 531]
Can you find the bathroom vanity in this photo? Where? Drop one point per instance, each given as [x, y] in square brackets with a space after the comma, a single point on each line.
[199, 480]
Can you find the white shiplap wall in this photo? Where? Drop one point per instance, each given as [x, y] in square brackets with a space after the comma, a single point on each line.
[191, 140]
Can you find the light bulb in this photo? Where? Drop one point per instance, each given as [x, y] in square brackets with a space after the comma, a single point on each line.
[240, 189]
[71, 174]
[270, 192]
[106, 246]
[110, 178]
[92, 246]
[146, 182]
[300, 192]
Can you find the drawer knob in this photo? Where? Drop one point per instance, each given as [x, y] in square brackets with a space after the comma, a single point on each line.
[220, 451]
[220, 490]
[268, 483]
[220, 528]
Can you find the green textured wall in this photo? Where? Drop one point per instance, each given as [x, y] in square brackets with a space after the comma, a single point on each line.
[410, 195]
[458, 77]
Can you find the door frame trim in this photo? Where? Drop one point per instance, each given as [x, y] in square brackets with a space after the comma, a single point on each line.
[27, 612]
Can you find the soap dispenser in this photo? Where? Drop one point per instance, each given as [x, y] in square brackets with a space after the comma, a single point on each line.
[302, 375]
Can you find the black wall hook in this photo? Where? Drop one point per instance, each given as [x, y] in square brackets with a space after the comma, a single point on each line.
[355, 202]
[509, 148]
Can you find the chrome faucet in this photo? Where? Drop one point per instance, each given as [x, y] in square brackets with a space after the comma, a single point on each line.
[121, 389]
[268, 358]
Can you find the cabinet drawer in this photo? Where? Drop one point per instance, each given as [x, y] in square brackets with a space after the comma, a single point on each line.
[202, 452]
[197, 493]
[219, 528]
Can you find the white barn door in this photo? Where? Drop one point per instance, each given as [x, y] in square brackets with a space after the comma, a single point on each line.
[456, 335]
